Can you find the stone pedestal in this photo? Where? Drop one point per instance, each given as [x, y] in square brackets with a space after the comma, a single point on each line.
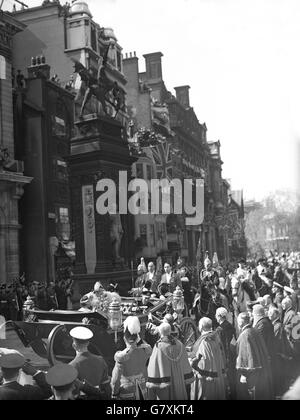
[98, 151]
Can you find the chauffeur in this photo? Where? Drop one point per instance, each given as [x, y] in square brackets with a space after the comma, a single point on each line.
[90, 367]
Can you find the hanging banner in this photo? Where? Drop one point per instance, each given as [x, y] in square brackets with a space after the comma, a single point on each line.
[89, 228]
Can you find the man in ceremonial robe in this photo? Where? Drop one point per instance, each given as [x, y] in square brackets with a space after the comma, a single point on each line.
[169, 371]
[253, 363]
[209, 365]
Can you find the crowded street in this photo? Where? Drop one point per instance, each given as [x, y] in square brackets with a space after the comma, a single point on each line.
[149, 203]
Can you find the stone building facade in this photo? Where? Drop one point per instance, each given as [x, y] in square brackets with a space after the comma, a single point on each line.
[12, 179]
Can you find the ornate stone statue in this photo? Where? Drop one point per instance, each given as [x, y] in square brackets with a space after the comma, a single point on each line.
[4, 157]
[100, 86]
[116, 235]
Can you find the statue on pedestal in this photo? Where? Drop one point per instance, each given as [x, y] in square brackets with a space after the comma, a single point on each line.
[116, 235]
[100, 86]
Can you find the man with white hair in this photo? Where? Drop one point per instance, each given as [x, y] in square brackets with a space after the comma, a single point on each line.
[208, 364]
[288, 314]
[169, 371]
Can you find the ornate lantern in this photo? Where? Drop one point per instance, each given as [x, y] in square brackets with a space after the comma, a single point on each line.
[115, 317]
[178, 301]
[27, 306]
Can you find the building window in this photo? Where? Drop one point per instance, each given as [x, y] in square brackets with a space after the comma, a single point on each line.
[119, 60]
[93, 38]
[63, 215]
[143, 234]
[149, 172]
[152, 235]
[61, 170]
[139, 170]
[63, 227]
[2, 68]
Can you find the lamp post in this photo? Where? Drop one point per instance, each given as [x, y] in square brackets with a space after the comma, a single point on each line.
[115, 317]
[27, 306]
[178, 301]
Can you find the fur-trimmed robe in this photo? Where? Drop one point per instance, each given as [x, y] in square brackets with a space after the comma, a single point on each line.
[254, 363]
[210, 381]
[169, 371]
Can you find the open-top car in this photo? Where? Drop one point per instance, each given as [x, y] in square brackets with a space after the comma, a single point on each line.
[47, 333]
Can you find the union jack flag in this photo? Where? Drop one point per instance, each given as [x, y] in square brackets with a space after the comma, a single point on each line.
[162, 157]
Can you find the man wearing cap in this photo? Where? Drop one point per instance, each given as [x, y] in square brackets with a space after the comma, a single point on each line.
[11, 363]
[61, 378]
[90, 367]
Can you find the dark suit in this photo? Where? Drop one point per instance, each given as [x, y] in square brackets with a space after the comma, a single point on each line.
[154, 281]
[266, 329]
[227, 332]
[91, 368]
[174, 281]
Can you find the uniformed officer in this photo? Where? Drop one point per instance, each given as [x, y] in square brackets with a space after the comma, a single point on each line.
[90, 367]
[130, 372]
[62, 378]
[11, 363]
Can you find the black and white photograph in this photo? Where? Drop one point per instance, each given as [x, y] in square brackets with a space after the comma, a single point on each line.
[149, 202]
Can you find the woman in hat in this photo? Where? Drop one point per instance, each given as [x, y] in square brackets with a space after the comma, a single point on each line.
[129, 375]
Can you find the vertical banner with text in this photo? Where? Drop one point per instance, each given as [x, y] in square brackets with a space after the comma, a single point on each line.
[89, 228]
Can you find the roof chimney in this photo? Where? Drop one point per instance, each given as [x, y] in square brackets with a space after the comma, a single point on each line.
[153, 66]
[183, 95]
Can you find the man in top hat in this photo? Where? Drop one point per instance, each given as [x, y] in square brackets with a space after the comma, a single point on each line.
[130, 372]
[11, 363]
[90, 367]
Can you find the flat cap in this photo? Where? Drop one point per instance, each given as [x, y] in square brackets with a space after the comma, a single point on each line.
[81, 333]
[13, 360]
[61, 375]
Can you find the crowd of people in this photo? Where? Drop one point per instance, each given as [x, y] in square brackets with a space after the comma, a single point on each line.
[247, 347]
[54, 296]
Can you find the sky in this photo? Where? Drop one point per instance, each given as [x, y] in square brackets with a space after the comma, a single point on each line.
[242, 61]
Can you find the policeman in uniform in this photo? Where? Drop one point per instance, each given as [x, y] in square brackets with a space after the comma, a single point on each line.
[11, 364]
[62, 379]
[90, 367]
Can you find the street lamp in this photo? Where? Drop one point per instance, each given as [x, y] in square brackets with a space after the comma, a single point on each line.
[27, 307]
[115, 317]
[178, 301]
